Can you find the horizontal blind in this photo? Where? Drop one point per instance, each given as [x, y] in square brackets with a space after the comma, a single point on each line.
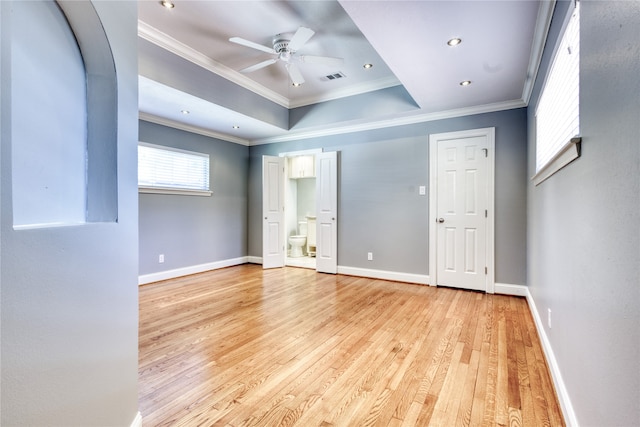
[558, 112]
[164, 167]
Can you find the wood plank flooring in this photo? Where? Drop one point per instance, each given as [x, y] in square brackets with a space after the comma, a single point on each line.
[244, 346]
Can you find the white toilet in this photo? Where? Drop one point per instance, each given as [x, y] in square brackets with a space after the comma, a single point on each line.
[298, 241]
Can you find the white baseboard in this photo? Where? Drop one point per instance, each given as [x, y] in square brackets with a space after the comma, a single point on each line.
[563, 396]
[193, 269]
[421, 279]
[137, 421]
[373, 274]
[508, 289]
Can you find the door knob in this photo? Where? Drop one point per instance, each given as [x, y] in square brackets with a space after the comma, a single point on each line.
[440, 220]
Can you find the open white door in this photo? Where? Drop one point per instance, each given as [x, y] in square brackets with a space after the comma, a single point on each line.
[327, 212]
[273, 248]
[462, 210]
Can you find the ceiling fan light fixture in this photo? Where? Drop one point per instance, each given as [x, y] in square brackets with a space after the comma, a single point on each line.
[167, 4]
[454, 41]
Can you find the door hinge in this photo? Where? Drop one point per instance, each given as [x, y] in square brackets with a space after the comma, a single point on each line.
[486, 270]
[486, 152]
[486, 213]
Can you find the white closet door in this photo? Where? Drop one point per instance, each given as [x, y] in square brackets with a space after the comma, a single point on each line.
[327, 212]
[273, 246]
[462, 204]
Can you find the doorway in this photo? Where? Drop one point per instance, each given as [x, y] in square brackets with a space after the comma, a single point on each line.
[300, 209]
[285, 217]
[461, 209]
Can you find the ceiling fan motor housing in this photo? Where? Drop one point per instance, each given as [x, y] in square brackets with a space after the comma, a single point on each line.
[281, 43]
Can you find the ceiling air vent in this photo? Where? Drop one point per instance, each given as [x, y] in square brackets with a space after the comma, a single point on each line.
[335, 76]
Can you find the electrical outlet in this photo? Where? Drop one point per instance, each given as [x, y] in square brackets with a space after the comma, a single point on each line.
[369, 256]
[161, 258]
[549, 317]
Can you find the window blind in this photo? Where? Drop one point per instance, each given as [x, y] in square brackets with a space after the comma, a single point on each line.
[558, 111]
[171, 168]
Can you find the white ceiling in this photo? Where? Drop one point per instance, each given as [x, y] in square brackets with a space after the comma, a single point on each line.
[404, 40]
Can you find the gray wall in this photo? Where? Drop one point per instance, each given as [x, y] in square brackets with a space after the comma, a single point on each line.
[193, 230]
[69, 294]
[583, 224]
[42, 194]
[306, 198]
[379, 209]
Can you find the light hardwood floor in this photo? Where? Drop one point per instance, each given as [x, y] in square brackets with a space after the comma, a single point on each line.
[244, 346]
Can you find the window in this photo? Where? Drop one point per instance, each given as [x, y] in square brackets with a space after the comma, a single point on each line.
[171, 170]
[558, 110]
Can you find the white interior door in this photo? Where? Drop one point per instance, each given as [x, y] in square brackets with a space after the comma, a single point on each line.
[463, 254]
[327, 212]
[273, 246]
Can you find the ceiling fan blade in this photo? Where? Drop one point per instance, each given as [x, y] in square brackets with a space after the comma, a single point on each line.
[325, 60]
[300, 38]
[259, 65]
[251, 44]
[294, 74]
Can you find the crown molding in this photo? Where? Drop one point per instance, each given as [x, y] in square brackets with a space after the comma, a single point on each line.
[401, 120]
[543, 23]
[193, 129]
[165, 41]
[160, 39]
[352, 90]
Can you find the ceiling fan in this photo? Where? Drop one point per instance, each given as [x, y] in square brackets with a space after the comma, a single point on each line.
[285, 47]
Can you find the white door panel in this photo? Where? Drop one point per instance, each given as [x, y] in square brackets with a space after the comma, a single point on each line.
[460, 220]
[273, 248]
[327, 212]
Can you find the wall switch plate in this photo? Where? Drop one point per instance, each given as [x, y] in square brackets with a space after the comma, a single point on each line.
[369, 256]
[422, 190]
[161, 258]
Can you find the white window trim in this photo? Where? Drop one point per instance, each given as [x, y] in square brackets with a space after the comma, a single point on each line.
[182, 192]
[170, 190]
[568, 153]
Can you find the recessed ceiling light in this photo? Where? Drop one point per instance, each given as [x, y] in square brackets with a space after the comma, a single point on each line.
[465, 83]
[454, 42]
[185, 111]
[296, 84]
[168, 4]
[236, 127]
[367, 66]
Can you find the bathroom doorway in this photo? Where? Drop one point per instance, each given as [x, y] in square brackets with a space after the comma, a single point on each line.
[282, 224]
[300, 208]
